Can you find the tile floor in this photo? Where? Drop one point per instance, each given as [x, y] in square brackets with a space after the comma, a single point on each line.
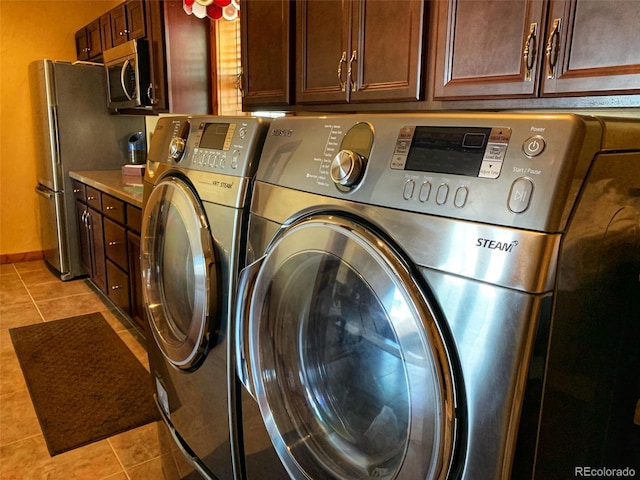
[30, 293]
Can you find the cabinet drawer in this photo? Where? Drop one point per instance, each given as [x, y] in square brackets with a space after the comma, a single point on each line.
[79, 191]
[94, 198]
[118, 287]
[134, 218]
[115, 243]
[113, 208]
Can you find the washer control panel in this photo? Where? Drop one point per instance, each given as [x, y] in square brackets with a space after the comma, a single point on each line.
[217, 144]
[212, 146]
[178, 143]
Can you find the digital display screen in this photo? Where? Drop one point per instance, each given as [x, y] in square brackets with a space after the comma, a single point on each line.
[214, 136]
[453, 150]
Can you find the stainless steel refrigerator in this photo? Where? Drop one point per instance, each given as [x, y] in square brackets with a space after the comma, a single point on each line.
[73, 131]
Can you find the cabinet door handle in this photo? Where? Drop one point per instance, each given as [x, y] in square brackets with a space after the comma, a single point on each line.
[110, 207]
[111, 244]
[350, 79]
[530, 51]
[241, 82]
[150, 96]
[342, 83]
[116, 287]
[553, 45]
[91, 198]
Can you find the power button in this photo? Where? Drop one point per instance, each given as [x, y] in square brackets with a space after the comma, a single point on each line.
[533, 146]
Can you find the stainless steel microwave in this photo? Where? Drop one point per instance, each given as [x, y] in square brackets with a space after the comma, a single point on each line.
[128, 78]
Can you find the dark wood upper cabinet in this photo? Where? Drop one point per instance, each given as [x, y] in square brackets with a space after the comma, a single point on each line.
[122, 23]
[136, 25]
[105, 31]
[359, 51]
[179, 51]
[497, 49]
[88, 44]
[387, 37]
[481, 45]
[593, 47]
[93, 33]
[127, 22]
[82, 44]
[323, 51]
[266, 52]
[119, 25]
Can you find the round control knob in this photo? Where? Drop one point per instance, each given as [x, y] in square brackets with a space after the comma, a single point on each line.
[347, 167]
[176, 148]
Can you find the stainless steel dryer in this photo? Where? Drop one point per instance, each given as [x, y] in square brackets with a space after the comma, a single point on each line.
[197, 186]
[440, 296]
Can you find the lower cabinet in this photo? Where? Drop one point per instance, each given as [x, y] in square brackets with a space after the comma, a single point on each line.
[92, 244]
[138, 313]
[109, 230]
[84, 239]
[115, 246]
[118, 287]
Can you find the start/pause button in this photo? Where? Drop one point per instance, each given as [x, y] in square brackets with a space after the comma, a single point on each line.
[520, 195]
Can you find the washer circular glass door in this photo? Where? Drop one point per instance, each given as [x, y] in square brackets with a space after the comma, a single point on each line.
[179, 278]
[350, 368]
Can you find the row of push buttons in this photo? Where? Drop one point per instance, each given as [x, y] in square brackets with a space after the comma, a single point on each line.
[442, 193]
[518, 201]
[215, 160]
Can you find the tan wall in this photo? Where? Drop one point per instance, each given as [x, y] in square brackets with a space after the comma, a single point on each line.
[29, 30]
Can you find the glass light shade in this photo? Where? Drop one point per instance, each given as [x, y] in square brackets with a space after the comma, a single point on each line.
[214, 11]
[230, 12]
[199, 10]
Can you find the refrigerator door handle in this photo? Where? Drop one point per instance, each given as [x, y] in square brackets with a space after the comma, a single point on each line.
[56, 133]
[46, 193]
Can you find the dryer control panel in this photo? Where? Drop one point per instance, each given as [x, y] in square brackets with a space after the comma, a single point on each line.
[520, 169]
[471, 151]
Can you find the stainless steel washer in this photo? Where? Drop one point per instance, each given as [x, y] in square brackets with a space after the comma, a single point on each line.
[442, 296]
[197, 187]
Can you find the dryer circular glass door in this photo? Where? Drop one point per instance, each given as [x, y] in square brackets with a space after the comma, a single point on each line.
[179, 278]
[350, 369]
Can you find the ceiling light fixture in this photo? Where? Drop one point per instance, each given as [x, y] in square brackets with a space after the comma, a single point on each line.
[214, 9]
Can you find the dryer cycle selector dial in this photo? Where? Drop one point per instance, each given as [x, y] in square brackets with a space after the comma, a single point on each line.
[176, 148]
[347, 167]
